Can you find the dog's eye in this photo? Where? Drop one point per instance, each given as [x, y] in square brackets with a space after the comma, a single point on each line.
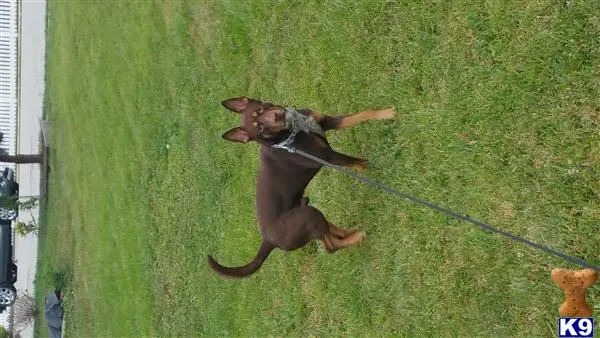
[260, 128]
[260, 109]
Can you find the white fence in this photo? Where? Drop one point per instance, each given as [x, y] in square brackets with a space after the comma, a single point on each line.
[9, 67]
[9, 64]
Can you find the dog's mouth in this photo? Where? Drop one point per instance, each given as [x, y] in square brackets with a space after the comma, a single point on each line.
[277, 120]
[280, 117]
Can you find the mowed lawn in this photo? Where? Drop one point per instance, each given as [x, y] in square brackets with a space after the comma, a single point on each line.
[498, 117]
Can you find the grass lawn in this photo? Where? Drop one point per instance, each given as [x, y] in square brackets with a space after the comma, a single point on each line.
[498, 117]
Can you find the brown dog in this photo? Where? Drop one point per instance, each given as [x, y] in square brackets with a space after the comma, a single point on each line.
[286, 221]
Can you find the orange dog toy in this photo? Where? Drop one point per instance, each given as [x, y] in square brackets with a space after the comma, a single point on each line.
[574, 283]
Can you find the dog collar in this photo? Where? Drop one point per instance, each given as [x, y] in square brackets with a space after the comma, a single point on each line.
[296, 122]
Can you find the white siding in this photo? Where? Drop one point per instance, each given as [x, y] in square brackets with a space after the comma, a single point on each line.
[9, 65]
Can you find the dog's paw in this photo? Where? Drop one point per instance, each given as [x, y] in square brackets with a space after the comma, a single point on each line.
[360, 236]
[361, 164]
[351, 231]
[386, 114]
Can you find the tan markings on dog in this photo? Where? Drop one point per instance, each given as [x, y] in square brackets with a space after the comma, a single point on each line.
[328, 244]
[333, 243]
[354, 119]
[337, 232]
[340, 232]
[349, 240]
[360, 165]
[318, 117]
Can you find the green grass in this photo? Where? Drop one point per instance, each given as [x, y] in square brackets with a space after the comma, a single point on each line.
[498, 117]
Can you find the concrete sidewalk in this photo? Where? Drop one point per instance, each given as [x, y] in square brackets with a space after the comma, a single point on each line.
[31, 100]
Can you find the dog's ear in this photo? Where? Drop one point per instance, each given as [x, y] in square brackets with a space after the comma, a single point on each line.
[236, 104]
[236, 134]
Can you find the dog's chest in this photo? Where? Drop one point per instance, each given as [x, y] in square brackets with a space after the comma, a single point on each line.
[296, 121]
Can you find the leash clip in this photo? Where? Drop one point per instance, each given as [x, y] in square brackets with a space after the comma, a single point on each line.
[285, 146]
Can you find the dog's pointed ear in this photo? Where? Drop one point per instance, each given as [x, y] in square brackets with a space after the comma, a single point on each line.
[236, 134]
[236, 104]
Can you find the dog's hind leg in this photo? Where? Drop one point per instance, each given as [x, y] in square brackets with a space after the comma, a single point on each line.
[299, 226]
[340, 233]
[327, 242]
[333, 243]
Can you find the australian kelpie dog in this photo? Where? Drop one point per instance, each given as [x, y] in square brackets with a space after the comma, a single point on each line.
[285, 218]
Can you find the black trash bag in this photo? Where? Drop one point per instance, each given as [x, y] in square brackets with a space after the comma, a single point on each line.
[54, 314]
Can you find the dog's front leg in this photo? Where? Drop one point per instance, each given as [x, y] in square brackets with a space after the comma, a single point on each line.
[346, 161]
[347, 121]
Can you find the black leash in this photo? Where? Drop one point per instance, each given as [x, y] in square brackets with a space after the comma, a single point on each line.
[448, 212]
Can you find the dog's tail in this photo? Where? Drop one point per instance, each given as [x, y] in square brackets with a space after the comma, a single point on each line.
[245, 270]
